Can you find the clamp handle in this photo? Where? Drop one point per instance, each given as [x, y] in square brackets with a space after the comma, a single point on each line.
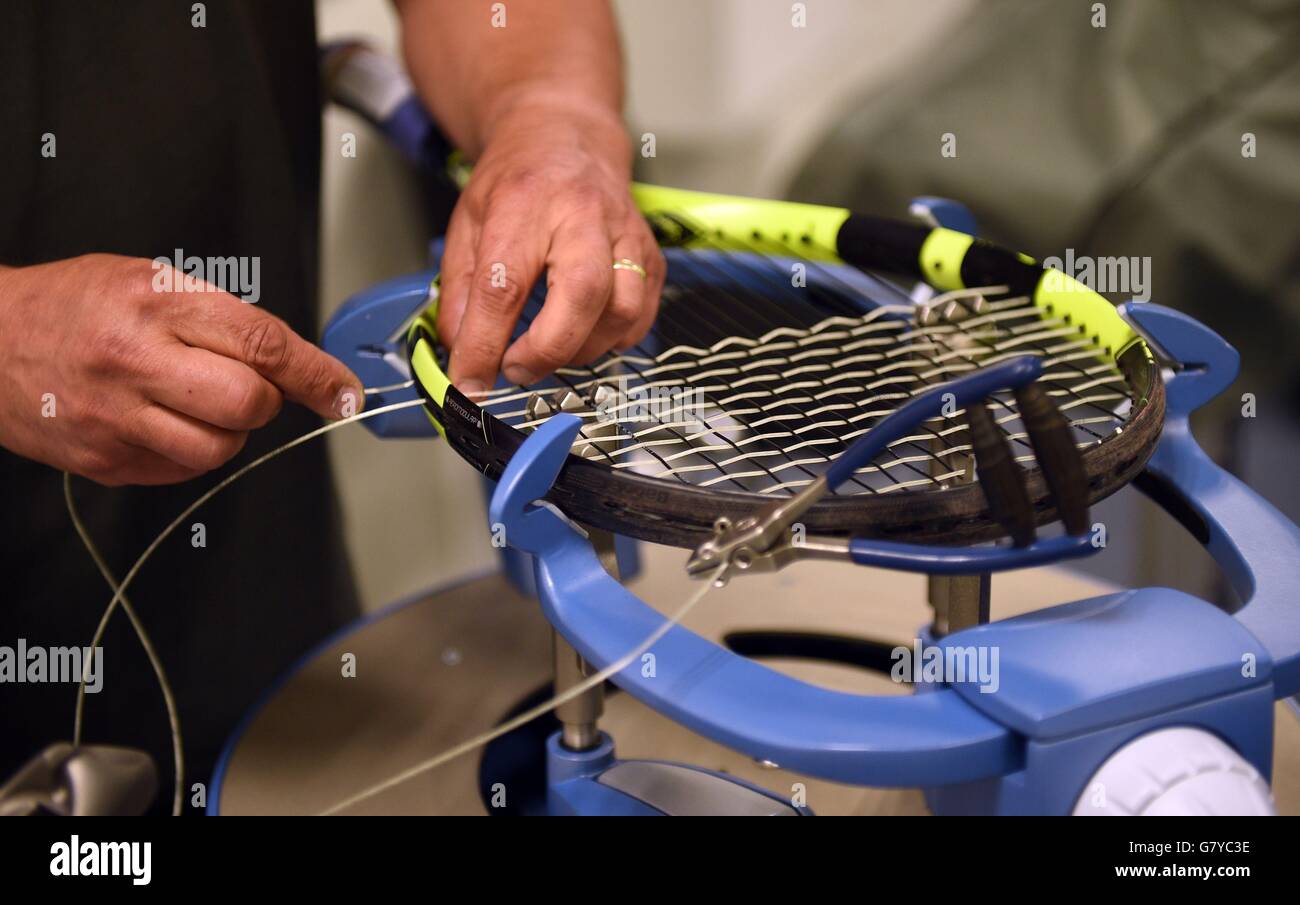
[763, 541]
[1000, 477]
[875, 740]
[1003, 484]
[963, 393]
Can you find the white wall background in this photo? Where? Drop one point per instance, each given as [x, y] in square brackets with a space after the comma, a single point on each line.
[735, 96]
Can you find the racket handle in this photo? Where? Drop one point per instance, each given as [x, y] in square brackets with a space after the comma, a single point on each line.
[374, 86]
[1000, 476]
[1058, 456]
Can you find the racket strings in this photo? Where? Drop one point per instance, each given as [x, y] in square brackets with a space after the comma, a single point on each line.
[973, 302]
[969, 302]
[782, 262]
[719, 271]
[795, 433]
[587, 441]
[689, 309]
[757, 421]
[759, 428]
[758, 384]
[697, 444]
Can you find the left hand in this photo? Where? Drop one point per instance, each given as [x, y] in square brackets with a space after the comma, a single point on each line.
[549, 191]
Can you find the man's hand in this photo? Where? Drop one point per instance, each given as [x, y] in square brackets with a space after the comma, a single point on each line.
[104, 376]
[533, 93]
[551, 190]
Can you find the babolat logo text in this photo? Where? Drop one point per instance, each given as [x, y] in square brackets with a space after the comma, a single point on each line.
[1130, 277]
[34, 664]
[241, 276]
[649, 404]
[103, 859]
[947, 665]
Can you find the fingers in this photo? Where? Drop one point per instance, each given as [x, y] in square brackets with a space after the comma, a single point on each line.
[580, 285]
[186, 441]
[503, 232]
[143, 466]
[457, 274]
[613, 308]
[217, 390]
[267, 345]
[155, 446]
[506, 264]
[651, 289]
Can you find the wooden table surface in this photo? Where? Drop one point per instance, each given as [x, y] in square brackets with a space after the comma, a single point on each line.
[441, 670]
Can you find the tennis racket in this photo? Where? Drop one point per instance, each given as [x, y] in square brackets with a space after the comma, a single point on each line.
[801, 349]
[787, 332]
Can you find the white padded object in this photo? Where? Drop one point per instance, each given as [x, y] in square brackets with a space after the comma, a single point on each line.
[1180, 770]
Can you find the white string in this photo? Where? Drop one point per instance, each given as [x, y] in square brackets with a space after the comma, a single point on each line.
[389, 388]
[829, 366]
[169, 699]
[564, 697]
[778, 340]
[119, 597]
[119, 591]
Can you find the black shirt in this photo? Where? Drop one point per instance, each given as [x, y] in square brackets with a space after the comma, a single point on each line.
[167, 136]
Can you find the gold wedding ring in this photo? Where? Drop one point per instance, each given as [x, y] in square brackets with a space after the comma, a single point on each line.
[626, 264]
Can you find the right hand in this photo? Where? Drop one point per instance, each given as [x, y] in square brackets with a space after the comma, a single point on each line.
[146, 387]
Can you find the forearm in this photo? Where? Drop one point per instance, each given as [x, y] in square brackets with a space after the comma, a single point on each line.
[549, 58]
